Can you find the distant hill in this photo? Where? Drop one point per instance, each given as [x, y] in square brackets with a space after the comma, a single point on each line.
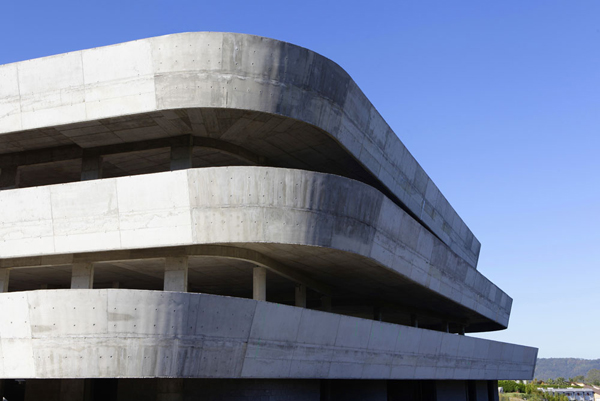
[552, 368]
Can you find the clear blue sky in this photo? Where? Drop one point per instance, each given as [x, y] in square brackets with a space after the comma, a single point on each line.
[499, 100]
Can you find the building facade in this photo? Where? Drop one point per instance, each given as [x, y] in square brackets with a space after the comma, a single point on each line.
[573, 394]
[216, 216]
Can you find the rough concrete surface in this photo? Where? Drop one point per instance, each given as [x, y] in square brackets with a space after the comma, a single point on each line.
[241, 205]
[135, 334]
[227, 71]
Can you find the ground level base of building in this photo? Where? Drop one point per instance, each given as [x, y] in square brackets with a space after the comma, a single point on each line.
[247, 389]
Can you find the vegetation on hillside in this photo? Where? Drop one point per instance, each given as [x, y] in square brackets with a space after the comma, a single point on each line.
[553, 368]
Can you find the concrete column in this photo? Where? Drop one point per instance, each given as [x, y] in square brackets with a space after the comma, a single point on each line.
[91, 167]
[462, 330]
[82, 276]
[301, 295]
[181, 154]
[4, 276]
[169, 390]
[326, 303]
[492, 386]
[377, 314]
[9, 177]
[446, 326]
[72, 390]
[259, 284]
[176, 274]
[414, 321]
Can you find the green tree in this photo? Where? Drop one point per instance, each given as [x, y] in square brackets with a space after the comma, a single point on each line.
[593, 376]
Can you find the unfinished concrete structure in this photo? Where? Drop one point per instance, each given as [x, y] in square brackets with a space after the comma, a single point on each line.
[215, 216]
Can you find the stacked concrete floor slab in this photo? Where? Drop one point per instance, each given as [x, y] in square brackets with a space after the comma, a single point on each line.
[214, 216]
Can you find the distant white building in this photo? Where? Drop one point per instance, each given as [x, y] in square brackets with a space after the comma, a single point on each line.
[574, 394]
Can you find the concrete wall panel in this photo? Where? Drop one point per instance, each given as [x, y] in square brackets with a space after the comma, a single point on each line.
[133, 333]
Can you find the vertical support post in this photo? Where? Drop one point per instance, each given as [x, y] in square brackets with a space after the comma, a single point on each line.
[414, 320]
[9, 177]
[446, 326]
[169, 390]
[176, 274]
[4, 276]
[492, 386]
[116, 284]
[326, 303]
[301, 295]
[72, 389]
[91, 166]
[82, 276]
[462, 330]
[377, 314]
[181, 153]
[259, 284]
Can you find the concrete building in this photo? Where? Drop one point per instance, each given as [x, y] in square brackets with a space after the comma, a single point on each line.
[573, 394]
[215, 216]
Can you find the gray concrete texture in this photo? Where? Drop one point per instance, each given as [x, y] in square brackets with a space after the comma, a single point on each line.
[196, 71]
[253, 207]
[117, 333]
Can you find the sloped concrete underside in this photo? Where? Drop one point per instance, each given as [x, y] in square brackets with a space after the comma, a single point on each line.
[116, 333]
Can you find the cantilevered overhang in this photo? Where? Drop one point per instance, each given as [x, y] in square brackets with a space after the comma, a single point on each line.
[42, 99]
[136, 334]
[336, 231]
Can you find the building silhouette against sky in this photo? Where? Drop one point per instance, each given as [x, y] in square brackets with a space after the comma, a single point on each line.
[218, 216]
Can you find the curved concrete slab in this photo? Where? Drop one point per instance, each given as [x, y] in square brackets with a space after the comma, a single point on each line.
[116, 333]
[246, 205]
[225, 71]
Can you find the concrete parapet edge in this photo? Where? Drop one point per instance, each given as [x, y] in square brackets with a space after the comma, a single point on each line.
[139, 334]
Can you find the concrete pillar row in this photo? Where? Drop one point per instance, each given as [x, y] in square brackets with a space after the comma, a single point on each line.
[4, 276]
[259, 283]
[82, 276]
[301, 295]
[176, 274]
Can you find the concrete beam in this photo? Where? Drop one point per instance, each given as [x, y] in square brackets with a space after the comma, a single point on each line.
[4, 276]
[82, 276]
[40, 156]
[181, 154]
[231, 149]
[300, 295]
[259, 283]
[176, 274]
